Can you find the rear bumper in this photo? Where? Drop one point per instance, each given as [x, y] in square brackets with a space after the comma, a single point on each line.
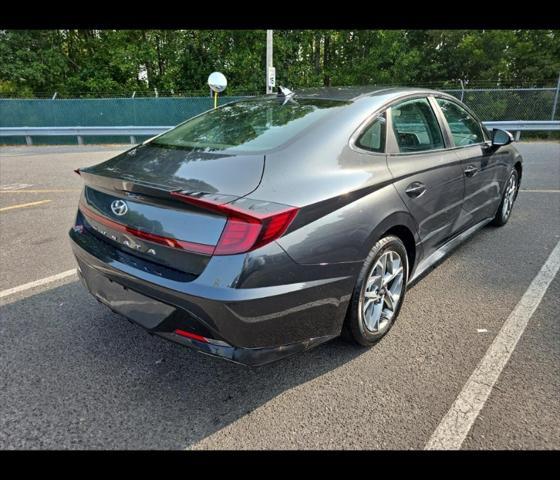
[252, 326]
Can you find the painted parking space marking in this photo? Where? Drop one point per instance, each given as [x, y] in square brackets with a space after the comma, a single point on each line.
[15, 186]
[57, 190]
[37, 283]
[456, 424]
[24, 205]
[539, 191]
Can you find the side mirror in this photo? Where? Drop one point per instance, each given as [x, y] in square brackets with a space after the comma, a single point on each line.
[501, 138]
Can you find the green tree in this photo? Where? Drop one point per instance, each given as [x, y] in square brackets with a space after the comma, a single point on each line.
[101, 62]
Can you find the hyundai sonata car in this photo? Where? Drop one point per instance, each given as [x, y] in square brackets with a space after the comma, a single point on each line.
[273, 224]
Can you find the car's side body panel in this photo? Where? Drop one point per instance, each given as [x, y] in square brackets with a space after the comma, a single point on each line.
[484, 170]
[483, 189]
[350, 229]
[438, 207]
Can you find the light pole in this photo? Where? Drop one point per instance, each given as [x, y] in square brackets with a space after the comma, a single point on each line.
[555, 99]
[270, 71]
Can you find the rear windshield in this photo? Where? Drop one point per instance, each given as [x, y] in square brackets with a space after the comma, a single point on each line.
[249, 125]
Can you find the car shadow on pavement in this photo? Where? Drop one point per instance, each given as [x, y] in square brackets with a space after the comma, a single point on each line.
[77, 375]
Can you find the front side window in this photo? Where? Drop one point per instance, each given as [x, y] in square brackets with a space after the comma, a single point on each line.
[416, 127]
[373, 137]
[465, 130]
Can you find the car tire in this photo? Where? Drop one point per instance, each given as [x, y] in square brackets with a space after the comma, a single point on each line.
[508, 198]
[369, 315]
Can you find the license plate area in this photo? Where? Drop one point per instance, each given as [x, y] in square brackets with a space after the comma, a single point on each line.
[139, 308]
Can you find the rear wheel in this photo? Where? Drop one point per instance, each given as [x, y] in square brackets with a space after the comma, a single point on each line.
[510, 193]
[379, 292]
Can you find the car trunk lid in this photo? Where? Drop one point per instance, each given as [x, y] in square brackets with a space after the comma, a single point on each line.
[128, 201]
[172, 168]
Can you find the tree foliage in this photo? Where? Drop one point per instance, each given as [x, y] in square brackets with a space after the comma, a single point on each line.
[100, 62]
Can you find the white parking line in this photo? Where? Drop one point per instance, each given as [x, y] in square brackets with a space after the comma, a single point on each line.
[456, 424]
[24, 205]
[37, 283]
[15, 186]
[539, 191]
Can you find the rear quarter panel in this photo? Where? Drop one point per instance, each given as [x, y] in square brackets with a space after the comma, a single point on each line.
[359, 204]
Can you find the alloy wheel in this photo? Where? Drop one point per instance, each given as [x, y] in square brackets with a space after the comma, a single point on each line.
[509, 197]
[382, 292]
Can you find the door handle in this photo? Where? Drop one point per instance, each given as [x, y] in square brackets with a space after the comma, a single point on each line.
[470, 171]
[415, 189]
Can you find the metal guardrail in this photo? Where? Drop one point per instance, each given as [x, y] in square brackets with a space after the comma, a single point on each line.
[126, 131]
[133, 131]
[518, 126]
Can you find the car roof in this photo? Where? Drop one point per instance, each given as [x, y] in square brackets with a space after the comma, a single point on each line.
[352, 93]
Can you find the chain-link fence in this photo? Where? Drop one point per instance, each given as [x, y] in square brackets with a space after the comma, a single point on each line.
[489, 104]
[510, 103]
[142, 111]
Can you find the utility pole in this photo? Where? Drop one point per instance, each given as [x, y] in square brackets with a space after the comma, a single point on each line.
[555, 99]
[270, 74]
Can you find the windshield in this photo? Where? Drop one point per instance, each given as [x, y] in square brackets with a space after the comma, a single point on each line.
[249, 125]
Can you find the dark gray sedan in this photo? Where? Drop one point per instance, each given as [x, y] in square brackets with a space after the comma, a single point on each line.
[273, 224]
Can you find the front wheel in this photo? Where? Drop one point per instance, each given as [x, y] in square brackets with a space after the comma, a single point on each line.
[379, 292]
[510, 193]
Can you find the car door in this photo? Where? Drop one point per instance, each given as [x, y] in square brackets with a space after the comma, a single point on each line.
[428, 176]
[482, 169]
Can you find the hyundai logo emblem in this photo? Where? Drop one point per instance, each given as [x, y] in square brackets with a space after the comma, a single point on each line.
[119, 207]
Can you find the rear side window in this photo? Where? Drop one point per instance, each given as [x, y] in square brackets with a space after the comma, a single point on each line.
[249, 125]
[465, 130]
[415, 126]
[373, 137]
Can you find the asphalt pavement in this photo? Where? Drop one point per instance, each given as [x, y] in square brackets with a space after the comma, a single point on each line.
[75, 375]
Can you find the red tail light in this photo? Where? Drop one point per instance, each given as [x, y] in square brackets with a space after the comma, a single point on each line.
[245, 230]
